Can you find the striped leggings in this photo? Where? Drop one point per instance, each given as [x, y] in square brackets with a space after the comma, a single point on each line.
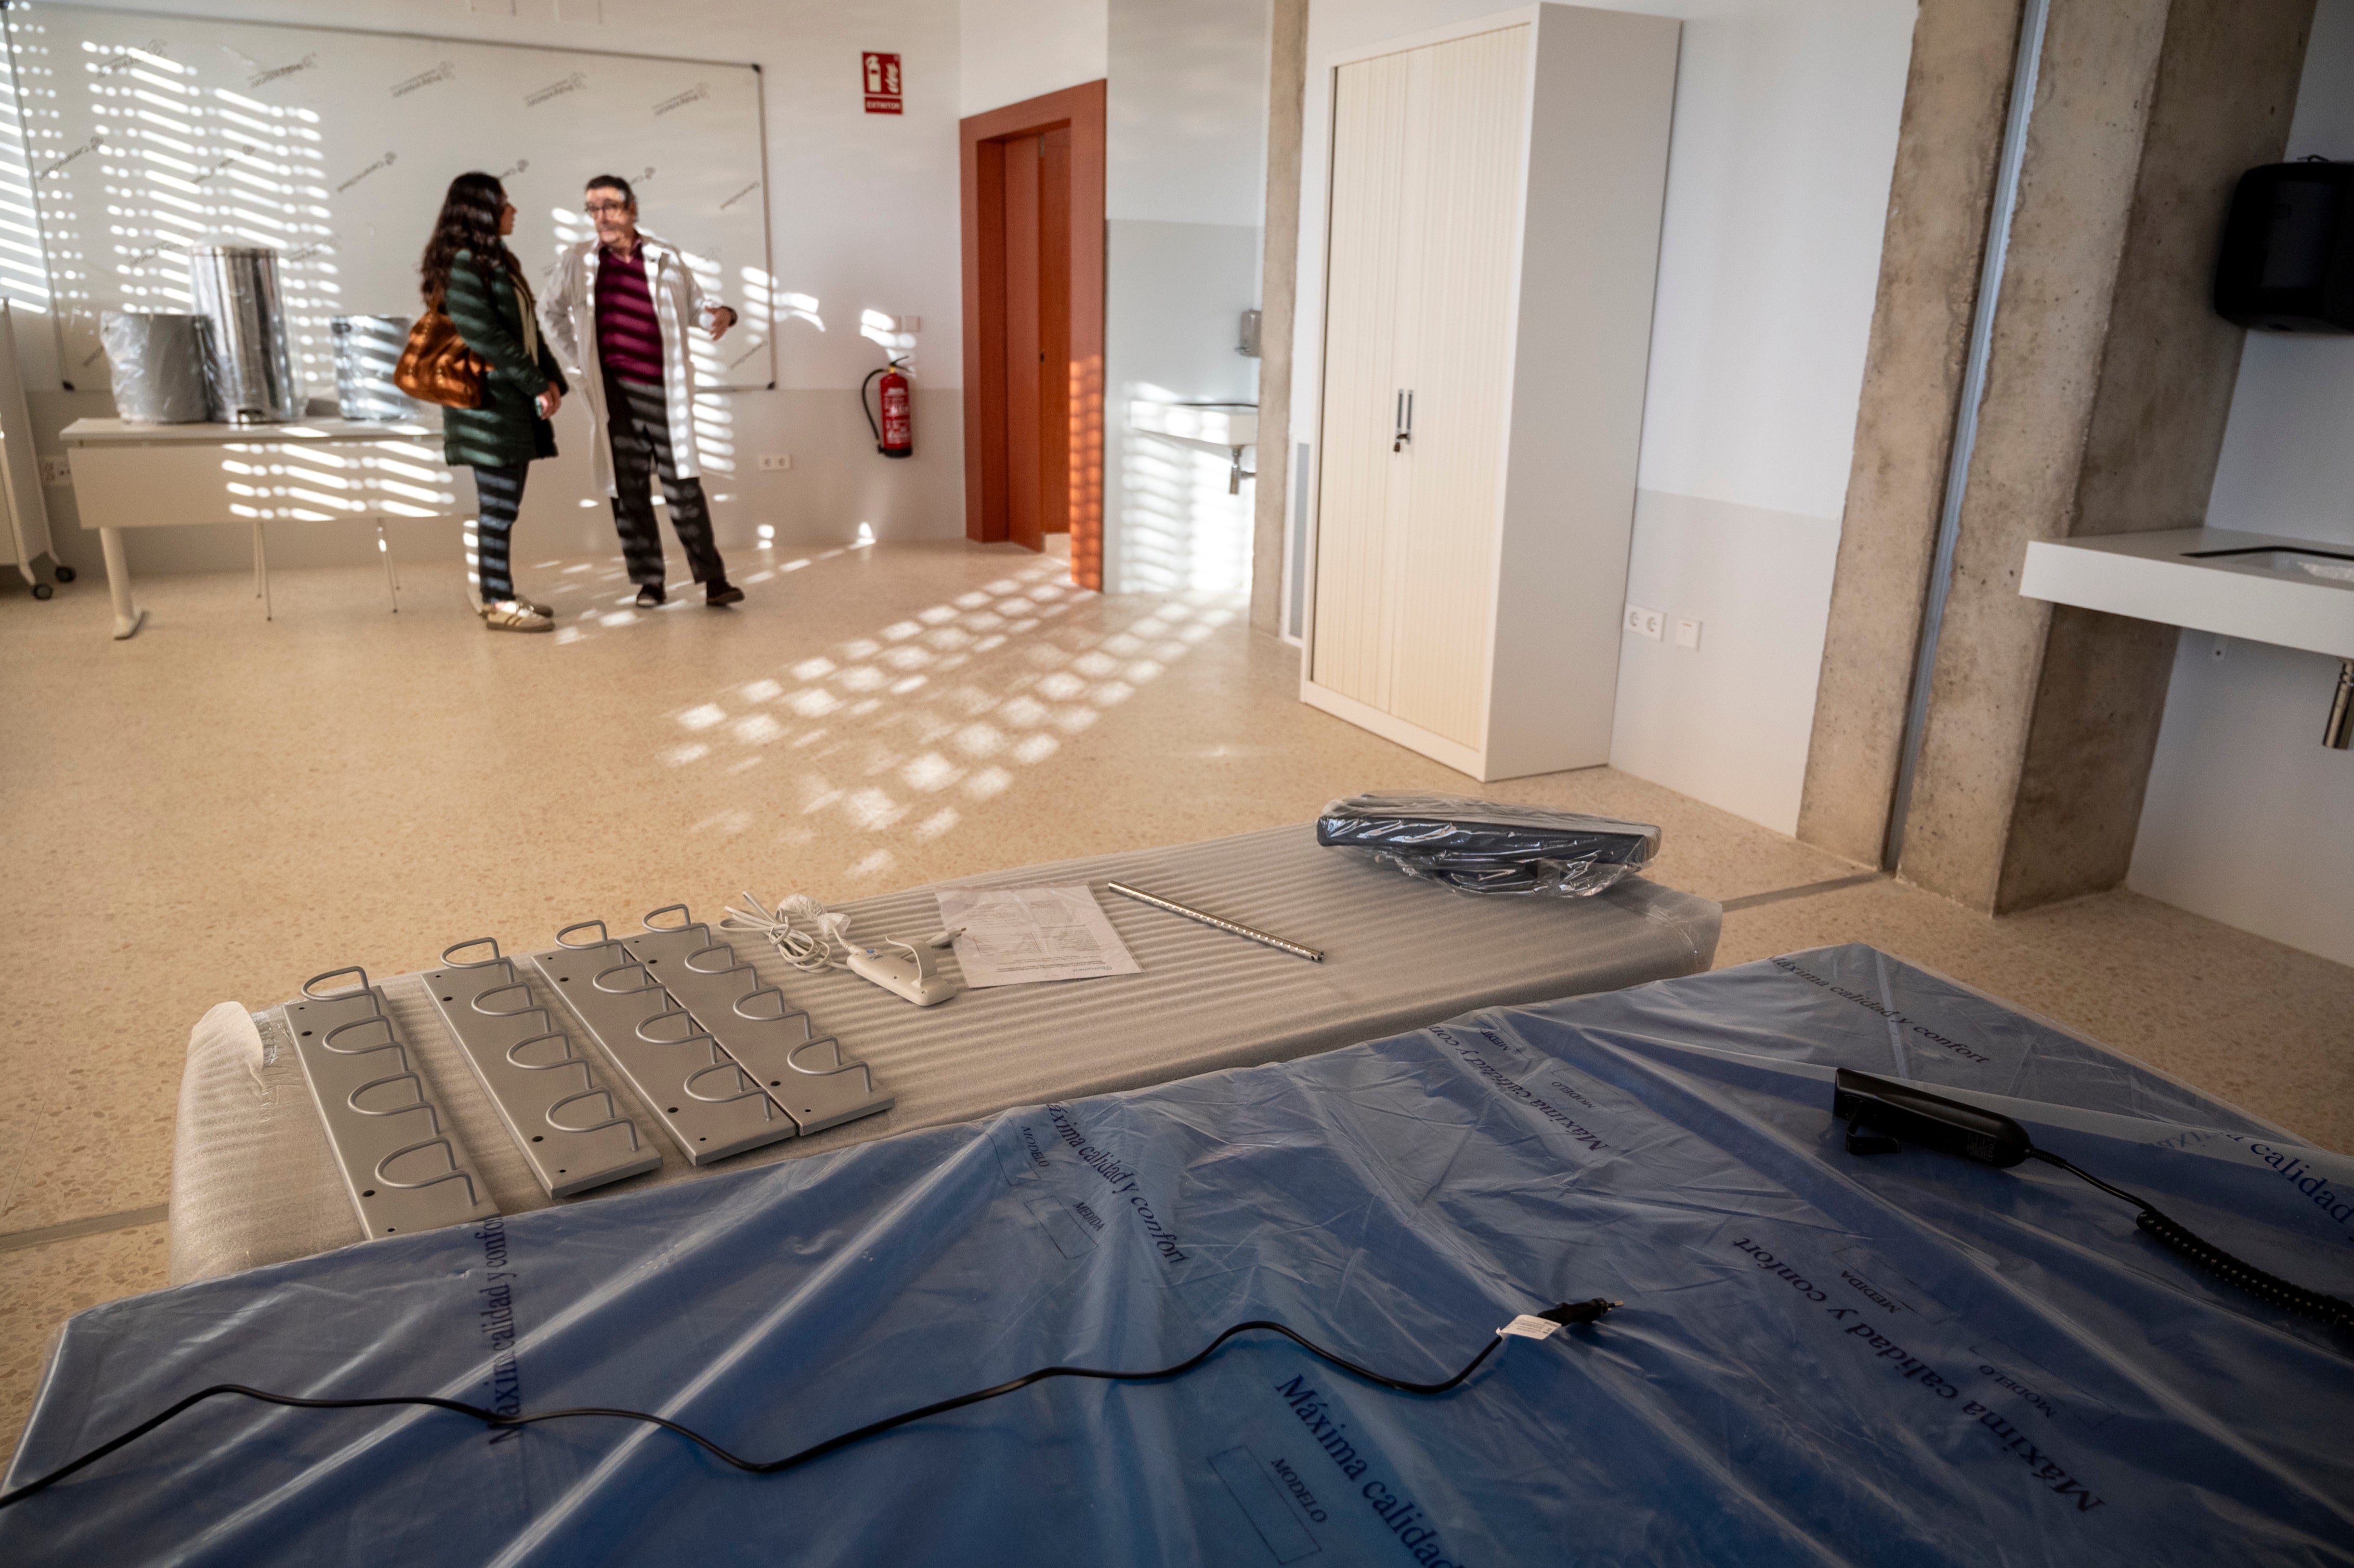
[637, 420]
[498, 496]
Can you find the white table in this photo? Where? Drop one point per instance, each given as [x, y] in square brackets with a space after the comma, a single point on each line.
[318, 471]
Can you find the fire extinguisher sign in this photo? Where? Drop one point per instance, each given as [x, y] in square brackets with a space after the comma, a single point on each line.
[881, 79]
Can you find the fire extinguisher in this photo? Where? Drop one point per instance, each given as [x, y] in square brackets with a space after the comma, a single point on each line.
[896, 436]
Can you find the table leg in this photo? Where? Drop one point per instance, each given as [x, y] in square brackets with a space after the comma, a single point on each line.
[118, 584]
[391, 581]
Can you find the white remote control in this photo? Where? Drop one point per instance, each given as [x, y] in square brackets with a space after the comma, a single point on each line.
[906, 971]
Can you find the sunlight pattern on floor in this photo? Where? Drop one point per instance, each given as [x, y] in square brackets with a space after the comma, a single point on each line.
[969, 692]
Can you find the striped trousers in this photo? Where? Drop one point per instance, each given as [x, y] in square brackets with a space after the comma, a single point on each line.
[637, 422]
[498, 496]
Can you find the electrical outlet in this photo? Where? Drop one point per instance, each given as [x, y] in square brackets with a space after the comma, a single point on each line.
[776, 462]
[911, 323]
[1644, 622]
[55, 470]
[1687, 634]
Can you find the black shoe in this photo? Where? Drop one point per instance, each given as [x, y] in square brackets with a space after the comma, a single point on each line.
[719, 591]
[649, 597]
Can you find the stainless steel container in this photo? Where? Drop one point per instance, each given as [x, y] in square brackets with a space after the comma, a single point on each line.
[157, 361]
[249, 351]
[367, 349]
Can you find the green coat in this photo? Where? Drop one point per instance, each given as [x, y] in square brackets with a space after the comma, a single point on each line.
[506, 430]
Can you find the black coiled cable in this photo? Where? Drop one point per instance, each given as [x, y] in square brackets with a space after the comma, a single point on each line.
[2290, 1297]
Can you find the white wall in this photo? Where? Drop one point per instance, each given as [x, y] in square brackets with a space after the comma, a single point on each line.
[2249, 819]
[1184, 189]
[862, 217]
[1784, 140]
[1014, 49]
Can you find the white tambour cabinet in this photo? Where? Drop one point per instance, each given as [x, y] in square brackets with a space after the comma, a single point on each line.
[1491, 240]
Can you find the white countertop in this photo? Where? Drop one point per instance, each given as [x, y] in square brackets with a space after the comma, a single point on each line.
[2259, 587]
[122, 432]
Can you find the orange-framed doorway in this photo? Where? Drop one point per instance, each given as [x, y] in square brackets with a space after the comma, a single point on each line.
[989, 381]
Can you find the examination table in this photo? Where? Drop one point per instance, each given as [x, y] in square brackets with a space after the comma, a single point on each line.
[1820, 1357]
[253, 1180]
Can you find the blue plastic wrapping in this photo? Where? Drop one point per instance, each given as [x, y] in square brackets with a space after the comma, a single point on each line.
[1821, 1358]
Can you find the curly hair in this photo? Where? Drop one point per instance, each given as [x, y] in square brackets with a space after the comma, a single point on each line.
[470, 222]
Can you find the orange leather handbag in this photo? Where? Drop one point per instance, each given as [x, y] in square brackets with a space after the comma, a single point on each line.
[437, 367]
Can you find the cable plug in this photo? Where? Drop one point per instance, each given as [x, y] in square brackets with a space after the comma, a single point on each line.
[1570, 1312]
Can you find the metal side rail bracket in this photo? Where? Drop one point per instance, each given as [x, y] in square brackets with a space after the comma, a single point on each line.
[404, 1168]
[570, 1131]
[704, 1099]
[776, 1043]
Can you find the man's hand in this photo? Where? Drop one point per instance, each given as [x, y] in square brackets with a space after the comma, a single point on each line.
[549, 401]
[722, 319]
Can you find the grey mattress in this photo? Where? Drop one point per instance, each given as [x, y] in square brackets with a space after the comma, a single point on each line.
[253, 1180]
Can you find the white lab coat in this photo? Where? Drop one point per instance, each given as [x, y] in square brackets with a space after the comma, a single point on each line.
[568, 313]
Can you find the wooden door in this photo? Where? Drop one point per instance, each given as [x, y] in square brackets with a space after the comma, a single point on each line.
[1024, 350]
[1037, 274]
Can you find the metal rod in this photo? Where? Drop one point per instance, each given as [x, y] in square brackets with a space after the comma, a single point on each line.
[2338, 734]
[1311, 954]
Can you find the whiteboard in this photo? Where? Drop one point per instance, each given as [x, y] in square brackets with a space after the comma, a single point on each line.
[145, 133]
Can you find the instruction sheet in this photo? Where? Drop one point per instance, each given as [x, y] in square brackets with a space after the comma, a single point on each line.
[1013, 936]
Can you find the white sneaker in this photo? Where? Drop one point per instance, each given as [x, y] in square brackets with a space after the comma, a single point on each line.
[516, 615]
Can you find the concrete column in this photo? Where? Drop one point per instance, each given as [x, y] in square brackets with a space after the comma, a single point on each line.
[1278, 301]
[2104, 408]
[1940, 199]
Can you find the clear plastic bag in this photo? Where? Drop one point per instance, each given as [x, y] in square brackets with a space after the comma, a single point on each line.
[1490, 846]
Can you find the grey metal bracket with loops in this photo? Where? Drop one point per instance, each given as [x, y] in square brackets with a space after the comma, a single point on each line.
[776, 1043]
[404, 1169]
[706, 1102]
[570, 1131]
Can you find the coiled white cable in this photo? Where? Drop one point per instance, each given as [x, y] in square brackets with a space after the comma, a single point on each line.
[803, 931]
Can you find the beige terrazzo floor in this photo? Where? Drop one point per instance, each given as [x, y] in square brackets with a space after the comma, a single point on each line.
[221, 806]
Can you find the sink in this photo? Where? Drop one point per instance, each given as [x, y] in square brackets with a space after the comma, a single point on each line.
[2308, 563]
[2264, 588]
[1224, 426]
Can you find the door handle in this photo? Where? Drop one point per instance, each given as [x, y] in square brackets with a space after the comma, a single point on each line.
[1404, 421]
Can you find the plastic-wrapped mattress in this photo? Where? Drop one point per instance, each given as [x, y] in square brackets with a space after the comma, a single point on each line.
[1821, 1358]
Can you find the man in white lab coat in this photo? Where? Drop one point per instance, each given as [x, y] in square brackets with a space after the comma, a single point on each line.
[619, 307]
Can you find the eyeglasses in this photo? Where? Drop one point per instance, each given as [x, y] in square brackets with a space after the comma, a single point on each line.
[600, 208]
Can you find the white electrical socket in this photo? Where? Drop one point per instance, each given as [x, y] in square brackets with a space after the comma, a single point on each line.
[776, 462]
[1644, 622]
[1687, 632]
[911, 323]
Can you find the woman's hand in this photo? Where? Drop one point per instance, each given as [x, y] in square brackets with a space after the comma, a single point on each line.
[548, 402]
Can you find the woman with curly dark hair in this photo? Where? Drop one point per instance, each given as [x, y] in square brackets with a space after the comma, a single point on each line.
[468, 272]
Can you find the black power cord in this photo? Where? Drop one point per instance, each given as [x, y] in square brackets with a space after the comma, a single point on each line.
[1566, 1313]
[1883, 1114]
[2287, 1295]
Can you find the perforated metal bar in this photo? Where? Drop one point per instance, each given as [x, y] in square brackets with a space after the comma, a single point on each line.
[570, 1129]
[704, 1101]
[403, 1167]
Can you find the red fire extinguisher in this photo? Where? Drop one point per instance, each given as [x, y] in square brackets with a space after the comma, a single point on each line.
[896, 436]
